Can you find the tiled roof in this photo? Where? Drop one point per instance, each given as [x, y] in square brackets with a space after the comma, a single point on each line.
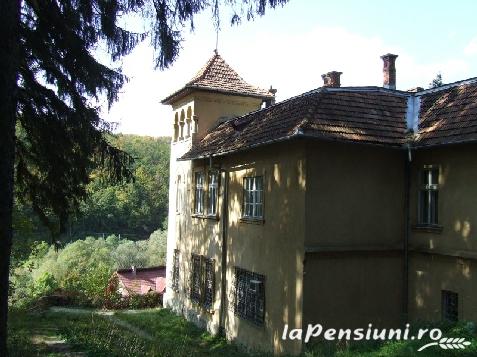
[143, 280]
[448, 116]
[218, 76]
[369, 115]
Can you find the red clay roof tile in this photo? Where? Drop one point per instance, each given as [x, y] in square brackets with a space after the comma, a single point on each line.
[218, 76]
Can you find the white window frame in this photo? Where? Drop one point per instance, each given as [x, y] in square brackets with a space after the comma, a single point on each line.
[212, 193]
[253, 198]
[429, 189]
[199, 192]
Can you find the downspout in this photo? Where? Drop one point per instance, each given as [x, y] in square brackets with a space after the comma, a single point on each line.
[225, 217]
[407, 231]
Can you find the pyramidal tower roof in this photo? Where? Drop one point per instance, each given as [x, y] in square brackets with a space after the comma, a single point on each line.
[218, 76]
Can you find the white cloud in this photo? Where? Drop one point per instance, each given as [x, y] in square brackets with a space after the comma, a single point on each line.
[471, 48]
[292, 63]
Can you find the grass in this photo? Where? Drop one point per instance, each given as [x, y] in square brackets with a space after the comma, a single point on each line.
[165, 334]
[174, 336]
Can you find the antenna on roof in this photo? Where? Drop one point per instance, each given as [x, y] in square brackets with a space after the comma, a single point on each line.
[217, 40]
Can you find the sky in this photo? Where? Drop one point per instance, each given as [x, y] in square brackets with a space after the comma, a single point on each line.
[292, 46]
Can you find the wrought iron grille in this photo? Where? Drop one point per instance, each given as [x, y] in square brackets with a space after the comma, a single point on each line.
[195, 289]
[249, 299]
[209, 282]
[175, 271]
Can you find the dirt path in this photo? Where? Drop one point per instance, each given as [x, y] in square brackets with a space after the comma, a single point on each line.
[48, 342]
[110, 315]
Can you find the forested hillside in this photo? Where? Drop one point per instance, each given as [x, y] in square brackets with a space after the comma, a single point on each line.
[130, 210]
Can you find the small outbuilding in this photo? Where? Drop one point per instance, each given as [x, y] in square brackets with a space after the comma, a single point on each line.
[140, 281]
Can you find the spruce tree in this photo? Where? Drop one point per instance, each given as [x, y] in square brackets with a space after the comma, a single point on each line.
[51, 132]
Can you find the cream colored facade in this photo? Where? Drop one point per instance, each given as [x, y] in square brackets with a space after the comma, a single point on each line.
[446, 259]
[331, 242]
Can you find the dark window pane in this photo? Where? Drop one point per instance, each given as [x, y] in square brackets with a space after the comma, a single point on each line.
[450, 305]
[433, 207]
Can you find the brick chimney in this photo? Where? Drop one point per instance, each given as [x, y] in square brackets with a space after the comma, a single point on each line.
[331, 79]
[389, 70]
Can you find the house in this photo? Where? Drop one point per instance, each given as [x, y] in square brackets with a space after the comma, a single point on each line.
[341, 206]
[140, 281]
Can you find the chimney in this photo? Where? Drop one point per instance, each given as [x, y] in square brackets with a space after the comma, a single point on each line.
[270, 101]
[331, 79]
[133, 270]
[389, 70]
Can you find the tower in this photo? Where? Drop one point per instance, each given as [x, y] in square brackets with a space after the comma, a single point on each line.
[215, 94]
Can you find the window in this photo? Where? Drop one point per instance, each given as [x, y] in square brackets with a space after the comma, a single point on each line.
[195, 279]
[253, 197]
[175, 271]
[450, 305]
[209, 282]
[202, 280]
[199, 193]
[249, 296]
[179, 195]
[212, 193]
[428, 196]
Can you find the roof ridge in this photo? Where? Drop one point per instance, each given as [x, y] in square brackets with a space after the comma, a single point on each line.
[443, 87]
[201, 73]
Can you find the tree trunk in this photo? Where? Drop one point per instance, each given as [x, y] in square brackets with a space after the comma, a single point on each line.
[9, 30]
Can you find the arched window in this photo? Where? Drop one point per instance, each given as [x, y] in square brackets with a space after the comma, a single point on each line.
[181, 125]
[188, 122]
[176, 127]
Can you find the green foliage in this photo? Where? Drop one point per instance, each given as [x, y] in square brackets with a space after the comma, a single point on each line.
[137, 208]
[82, 268]
[437, 81]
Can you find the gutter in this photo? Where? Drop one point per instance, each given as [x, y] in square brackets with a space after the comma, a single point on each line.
[407, 232]
[223, 265]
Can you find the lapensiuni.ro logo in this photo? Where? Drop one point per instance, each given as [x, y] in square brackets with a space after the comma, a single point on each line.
[376, 334]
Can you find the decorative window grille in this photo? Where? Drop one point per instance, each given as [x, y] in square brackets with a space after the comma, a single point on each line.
[450, 305]
[428, 196]
[196, 281]
[202, 280]
[209, 282]
[212, 193]
[175, 271]
[249, 299]
[199, 193]
[253, 197]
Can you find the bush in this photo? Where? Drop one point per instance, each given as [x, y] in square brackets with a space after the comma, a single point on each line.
[82, 269]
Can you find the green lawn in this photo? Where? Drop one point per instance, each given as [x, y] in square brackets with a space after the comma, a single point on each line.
[158, 332]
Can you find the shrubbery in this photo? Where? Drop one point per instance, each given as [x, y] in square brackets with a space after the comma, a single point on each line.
[81, 270]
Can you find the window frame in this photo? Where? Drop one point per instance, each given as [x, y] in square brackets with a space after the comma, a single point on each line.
[216, 187]
[245, 202]
[449, 298]
[202, 279]
[428, 188]
[199, 204]
[196, 278]
[249, 301]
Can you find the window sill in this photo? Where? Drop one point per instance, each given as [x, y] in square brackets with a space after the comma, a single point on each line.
[205, 216]
[251, 220]
[428, 228]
